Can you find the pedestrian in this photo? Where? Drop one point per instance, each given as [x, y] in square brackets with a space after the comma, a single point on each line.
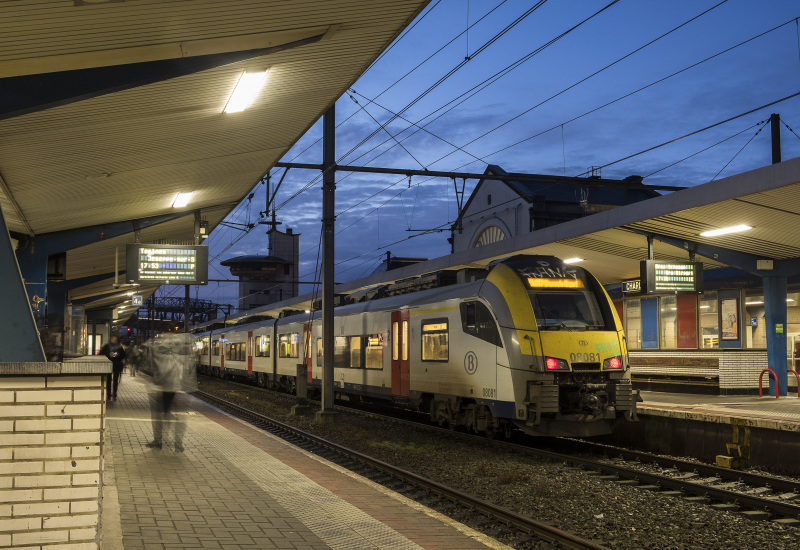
[135, 356]
[173, 372]
[116, 354]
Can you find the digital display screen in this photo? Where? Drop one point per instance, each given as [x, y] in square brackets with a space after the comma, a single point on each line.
[660, 276]
[167, 264]
[555, 283]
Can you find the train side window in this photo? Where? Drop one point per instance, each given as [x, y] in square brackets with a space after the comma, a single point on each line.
[262, 346]
[319, 352]
[477, 321]
[341, 352]
[374, 352]
[288, 345]
[215, 347]
[435, 340]
[355, 352]
[405, 340]
[395, 341]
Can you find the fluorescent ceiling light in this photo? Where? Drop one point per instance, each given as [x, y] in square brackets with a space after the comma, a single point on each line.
[182, 199]
[725, 230]
[245, 91]
[752, 303]
[573, 260]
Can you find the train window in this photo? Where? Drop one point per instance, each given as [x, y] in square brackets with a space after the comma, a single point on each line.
[341, 352]
[262, 346]
[288, 345]
[395, 341]
[374, 352]
[567, 310]
[355, 352]
[405, 340]
[435, 340]
[319, 352]
[477, 321]
[215, 347]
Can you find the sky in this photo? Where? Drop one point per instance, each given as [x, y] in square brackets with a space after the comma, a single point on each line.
[553, 87]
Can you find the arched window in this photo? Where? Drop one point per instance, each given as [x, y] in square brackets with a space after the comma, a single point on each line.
[491, 234]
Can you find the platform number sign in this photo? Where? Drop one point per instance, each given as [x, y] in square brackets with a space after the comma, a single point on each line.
[136, 300]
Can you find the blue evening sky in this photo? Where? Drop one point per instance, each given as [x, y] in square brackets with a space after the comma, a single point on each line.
[512, 104]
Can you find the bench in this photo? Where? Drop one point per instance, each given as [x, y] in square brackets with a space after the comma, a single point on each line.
[682, 374]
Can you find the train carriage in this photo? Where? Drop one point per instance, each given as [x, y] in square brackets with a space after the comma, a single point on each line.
[535, 344]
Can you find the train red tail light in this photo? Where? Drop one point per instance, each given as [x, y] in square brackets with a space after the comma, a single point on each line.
[613, 363]
[552, 364]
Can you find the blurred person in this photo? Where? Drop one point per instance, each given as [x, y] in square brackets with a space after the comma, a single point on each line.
[174, 371]
[115, 353]
[135, 357]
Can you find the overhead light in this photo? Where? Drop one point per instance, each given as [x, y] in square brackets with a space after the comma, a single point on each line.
[182, 199]
[725, 230]
[573, 260]
[245, 91]
[752, 303]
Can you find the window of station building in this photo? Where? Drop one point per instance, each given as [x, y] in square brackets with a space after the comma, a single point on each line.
[668, 322]
[633, 323]
[262, 345]
[289, 345]
[435, 340]
[477, 321]
[754, 324]
[374, 352]
[709, 320]
[793, 330]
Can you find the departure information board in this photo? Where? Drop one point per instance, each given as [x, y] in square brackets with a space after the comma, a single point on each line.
[661, 277]
[167, 264]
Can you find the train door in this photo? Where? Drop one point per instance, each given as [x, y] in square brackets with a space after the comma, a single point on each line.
[248, 349]
[307, 339]
[222, 343]
[401, 332]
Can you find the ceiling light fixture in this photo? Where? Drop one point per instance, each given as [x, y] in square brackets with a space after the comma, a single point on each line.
[182, 199]
[245, 91]
[725, 230]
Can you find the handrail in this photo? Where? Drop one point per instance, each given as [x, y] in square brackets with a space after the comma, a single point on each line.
[798, 380]
[761, 378]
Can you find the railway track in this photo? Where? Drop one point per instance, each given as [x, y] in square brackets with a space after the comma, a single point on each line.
[406, 482]
[755, 495]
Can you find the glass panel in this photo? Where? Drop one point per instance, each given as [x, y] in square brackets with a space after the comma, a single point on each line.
[374, 353]
[355, 352]
[341, 352]
[754, 315]
[395, 341]
[319, 352]
[435, 341]
[633, 323]
[709, 320]
[669, 322]
[405, 340]
[566, 310]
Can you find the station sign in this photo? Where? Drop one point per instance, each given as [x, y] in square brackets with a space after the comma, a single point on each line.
[136, 300]
[166, 264]
[632, 287]
[667, 277]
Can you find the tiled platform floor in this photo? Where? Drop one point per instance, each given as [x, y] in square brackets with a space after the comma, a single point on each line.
[236, 487]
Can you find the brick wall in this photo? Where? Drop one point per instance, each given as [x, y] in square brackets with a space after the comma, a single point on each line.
[51, 437]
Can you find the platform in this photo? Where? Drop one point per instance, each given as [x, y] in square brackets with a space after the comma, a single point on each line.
[235, 486]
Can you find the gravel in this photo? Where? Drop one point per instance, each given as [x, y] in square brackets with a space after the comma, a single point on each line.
[617, 516]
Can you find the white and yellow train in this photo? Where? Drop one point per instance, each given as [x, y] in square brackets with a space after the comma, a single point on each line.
[536, 344]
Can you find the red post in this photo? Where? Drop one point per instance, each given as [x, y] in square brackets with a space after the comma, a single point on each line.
[798, 380]
[775, 376]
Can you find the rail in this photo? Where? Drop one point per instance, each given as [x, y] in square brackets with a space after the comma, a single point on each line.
[761, 379]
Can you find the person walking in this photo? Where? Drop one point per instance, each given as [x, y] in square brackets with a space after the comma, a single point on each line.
[116, 354]
[173, 371]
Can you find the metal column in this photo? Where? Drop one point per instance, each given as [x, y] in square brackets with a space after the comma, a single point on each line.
[19, 338]
[328, 219]
[775, 321]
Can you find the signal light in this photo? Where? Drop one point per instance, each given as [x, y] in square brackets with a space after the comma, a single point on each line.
[551, 364]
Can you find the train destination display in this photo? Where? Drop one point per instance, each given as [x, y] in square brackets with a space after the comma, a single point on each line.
[660, 276]
[167, 264]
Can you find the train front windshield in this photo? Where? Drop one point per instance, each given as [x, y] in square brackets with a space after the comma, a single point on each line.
[566, 310]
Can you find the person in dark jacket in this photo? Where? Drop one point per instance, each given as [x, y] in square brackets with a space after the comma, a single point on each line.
[116, 354]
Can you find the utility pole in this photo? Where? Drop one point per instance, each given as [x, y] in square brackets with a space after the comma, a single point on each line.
[774, 120]
[328, 219]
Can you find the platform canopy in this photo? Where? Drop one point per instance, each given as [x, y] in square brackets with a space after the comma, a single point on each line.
[110, 108]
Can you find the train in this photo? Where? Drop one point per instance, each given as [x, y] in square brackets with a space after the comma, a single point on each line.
[530, 343]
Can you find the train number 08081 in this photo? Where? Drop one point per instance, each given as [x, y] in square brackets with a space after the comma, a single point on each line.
[584, 357]
[489, 392]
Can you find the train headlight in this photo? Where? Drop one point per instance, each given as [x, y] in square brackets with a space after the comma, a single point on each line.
[553, 364]
[613, 363]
